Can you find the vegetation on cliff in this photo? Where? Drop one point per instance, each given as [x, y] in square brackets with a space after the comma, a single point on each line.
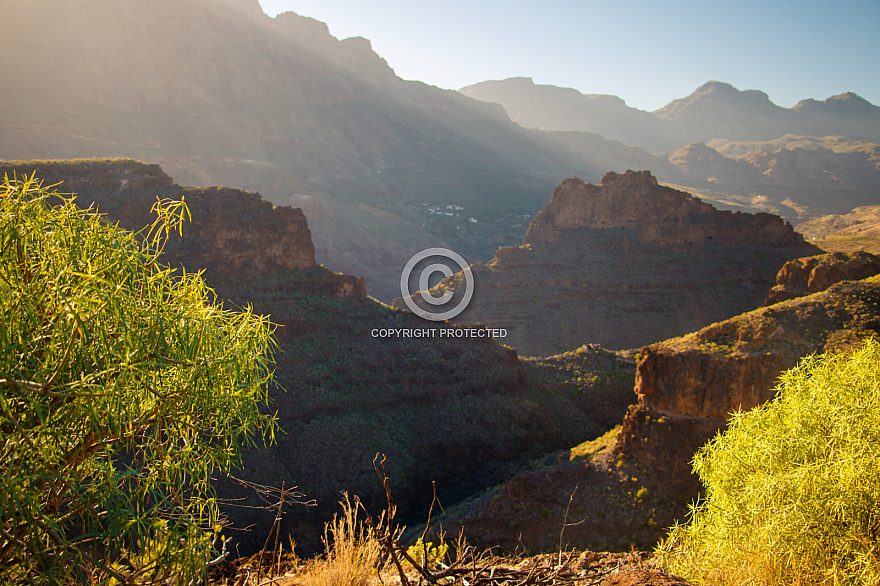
[123, 388]
[792, 486]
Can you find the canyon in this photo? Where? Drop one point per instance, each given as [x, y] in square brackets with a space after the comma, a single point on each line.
[464, 412]
[626, 263]
[470, 413]
[628, 485]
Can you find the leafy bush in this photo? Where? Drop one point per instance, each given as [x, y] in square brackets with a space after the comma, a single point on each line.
[792, 486]
[123, 387]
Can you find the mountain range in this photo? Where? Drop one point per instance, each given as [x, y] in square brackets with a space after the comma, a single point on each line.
[221, 94]
[715, 110]
[217, 92]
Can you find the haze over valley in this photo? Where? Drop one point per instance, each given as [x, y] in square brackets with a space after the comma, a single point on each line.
[690, 253]
[279, 106]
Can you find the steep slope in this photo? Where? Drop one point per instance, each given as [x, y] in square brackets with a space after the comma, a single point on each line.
[630, 485]
[458, 411]
[625, 263]
[218, 93]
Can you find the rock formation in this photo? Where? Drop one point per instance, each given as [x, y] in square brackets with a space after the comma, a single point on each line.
[627, 263]
[688, 386]
[233, 235]
[812, 274]
[635, 202]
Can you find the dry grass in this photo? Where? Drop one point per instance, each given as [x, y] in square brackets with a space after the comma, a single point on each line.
[353, 552]
[352, 558]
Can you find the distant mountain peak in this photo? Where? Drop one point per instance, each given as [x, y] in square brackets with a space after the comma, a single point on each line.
[848, 96]
[719, 110]
[726, 90]
[715, 86]
[851, 100]
[847, 103]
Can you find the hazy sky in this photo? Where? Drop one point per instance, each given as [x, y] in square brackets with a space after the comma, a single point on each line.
[648, 52]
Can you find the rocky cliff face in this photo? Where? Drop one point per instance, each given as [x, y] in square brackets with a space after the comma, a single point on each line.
[626, 263]
[688, 386]
[635, 202]
[233, 233]
[812, 274]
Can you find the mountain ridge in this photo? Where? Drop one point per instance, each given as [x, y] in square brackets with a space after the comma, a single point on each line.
[222, 94]
[698, 117]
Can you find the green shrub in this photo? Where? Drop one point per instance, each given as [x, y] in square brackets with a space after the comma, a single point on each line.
[123, 387]
[792, 486]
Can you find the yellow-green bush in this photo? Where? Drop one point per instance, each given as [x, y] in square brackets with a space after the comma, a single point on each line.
[792, 486]
[123, 387]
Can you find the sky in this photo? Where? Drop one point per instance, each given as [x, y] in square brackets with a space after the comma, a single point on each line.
[648, 52]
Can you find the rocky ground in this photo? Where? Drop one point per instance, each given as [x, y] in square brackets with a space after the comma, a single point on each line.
[568, 568]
